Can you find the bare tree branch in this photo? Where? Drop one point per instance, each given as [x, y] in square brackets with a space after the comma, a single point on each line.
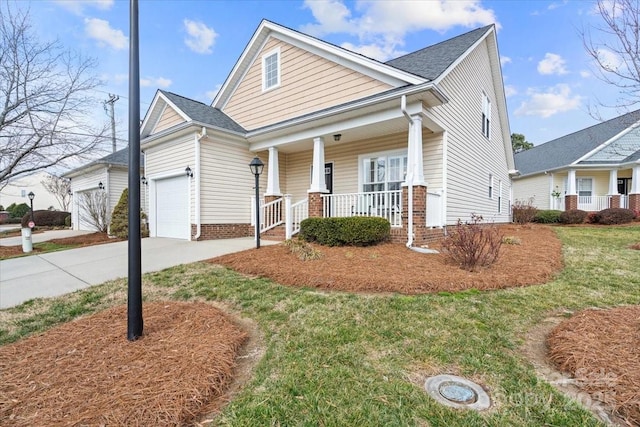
[60, 188]
[616, 50]
[92, 208]
[44, 101]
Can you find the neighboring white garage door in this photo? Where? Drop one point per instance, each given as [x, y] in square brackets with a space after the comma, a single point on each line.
[172, 207]
[84, 218]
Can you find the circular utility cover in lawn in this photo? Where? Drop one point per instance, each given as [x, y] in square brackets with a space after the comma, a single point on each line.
[457, 392]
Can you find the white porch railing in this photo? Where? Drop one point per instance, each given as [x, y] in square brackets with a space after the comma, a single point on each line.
[593, 203]
[434, 209]
[271, 214]
[295, 214]
[384, 204]
[557, 203]
[624, 201]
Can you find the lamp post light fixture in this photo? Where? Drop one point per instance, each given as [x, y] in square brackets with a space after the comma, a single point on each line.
[100, 186]
[256, 167]
[31, 197]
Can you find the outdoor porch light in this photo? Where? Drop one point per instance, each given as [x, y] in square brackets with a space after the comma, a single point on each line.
[337, 137]
[187, 170]
[256, 167]
[143, 180]
[100, 186]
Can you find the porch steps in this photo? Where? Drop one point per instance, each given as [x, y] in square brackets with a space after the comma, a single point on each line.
[277, 233]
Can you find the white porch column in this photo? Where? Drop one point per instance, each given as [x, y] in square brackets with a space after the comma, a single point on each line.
[571, 183]
[415, 159]
[613, 182]
[273, 174]
[318, 184]
[635, 180]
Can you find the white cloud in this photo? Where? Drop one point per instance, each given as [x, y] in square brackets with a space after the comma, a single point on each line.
[585, 74]
[552, 64]
[379, 52]
[101, 31]
[160, 82]
[505, 60]
[200, 37]
[78, 6]
[610, 61]
[553, 100]
[510, 90]
[381, 26]
[211, 94]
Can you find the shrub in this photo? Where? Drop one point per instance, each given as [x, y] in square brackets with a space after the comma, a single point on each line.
[303, 250]
[18, 211]
[120, 218]
[67, 221]
[574, 216]
[45, 218]
[473, 244]
[511, 240]
[356, 231]
[547, 217]
[523, 211]
[614, 216]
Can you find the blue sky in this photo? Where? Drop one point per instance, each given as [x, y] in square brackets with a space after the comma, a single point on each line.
[189, 47]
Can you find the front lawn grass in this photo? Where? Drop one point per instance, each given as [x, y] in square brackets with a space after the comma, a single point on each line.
[340, 359]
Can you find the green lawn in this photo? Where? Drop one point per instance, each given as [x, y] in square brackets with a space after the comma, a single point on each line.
[338, 359]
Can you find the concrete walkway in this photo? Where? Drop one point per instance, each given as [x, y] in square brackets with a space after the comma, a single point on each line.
[43, 237]
[58, 273]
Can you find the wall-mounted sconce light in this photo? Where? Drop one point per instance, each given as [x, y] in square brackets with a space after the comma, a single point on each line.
[143, 180]
[100, 186]
[337, 137]
[188, 172]
[69, 192]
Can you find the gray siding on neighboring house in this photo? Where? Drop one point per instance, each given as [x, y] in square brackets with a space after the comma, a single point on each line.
[472, 158]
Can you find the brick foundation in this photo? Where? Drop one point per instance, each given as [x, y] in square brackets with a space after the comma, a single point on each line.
[570, 202]
[614, 201]
[422, 236]
[634, 202]
[315, 205]
[223, 231]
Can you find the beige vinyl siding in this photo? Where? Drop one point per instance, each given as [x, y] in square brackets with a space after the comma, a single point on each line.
[534, 189]
[308, 83]
[85, 182]
[600, 180]
[118, 181]
[471, 157]
[227, 184]
[168, 119]
[346, 168]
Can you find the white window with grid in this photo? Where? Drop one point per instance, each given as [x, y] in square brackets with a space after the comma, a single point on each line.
[384, 172]
[584, 187]
[486, 115]
[271, 70]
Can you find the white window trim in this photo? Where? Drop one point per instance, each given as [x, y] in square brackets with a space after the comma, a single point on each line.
[593, 184]
[491, 187]
[276, 52]
[499, 196]
[361, 157]
[486, 111]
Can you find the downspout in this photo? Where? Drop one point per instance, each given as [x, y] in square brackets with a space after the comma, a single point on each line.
[403, 108]
[196, 148]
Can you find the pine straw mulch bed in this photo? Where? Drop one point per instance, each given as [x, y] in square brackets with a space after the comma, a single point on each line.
[75, 241]
[393, 268]
[600, 349]
[85, 372]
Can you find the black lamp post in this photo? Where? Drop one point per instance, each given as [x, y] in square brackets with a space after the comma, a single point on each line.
[31, 197]
[256, 167]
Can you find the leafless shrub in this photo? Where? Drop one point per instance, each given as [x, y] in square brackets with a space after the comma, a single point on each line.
[523, 211]
[472, 245]
[93, 209]
[302, 249]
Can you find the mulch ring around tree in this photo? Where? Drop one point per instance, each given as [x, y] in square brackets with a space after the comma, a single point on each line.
[85, 372]
[534, 259]
[600, 350]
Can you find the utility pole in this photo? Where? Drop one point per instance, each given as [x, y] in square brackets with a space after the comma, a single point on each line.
[112, 100]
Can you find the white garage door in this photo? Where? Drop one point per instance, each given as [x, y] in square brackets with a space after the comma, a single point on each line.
[84, 217]
[172, 208]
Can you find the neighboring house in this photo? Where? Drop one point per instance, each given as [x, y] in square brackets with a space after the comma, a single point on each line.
[340, 134]
[592, 169]
[108, 174]
[17, 190]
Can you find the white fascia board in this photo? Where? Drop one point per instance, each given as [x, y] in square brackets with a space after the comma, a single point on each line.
[176, 108]
[146, 122]
[369, 67]
[186, 128]
[334, 126]
[434, 89]
[606, 143]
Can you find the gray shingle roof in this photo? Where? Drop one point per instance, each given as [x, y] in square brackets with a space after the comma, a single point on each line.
[203, 113]
[119, 158]
[565, 150]
[432, 61]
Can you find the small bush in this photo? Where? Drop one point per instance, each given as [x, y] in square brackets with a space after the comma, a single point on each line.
[18, 211]
[511, 240]
[356, 231]
[523, 211]
[119, 226]
[472, 245]
[303, 250]
[614, 216]
[547, 217]
[45, 218]
[67, 221]
[574, 216]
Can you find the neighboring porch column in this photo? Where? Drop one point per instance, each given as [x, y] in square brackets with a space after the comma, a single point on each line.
[634, 194]
[415, 159]
[414, 218]
[273, 175]
[614, 197]
[318, 184]
[571, 199]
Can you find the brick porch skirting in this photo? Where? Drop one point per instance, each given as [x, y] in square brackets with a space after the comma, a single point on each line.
[423, 235]
[223, 231]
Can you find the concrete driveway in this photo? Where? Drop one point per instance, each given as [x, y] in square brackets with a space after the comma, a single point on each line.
[58, 273]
